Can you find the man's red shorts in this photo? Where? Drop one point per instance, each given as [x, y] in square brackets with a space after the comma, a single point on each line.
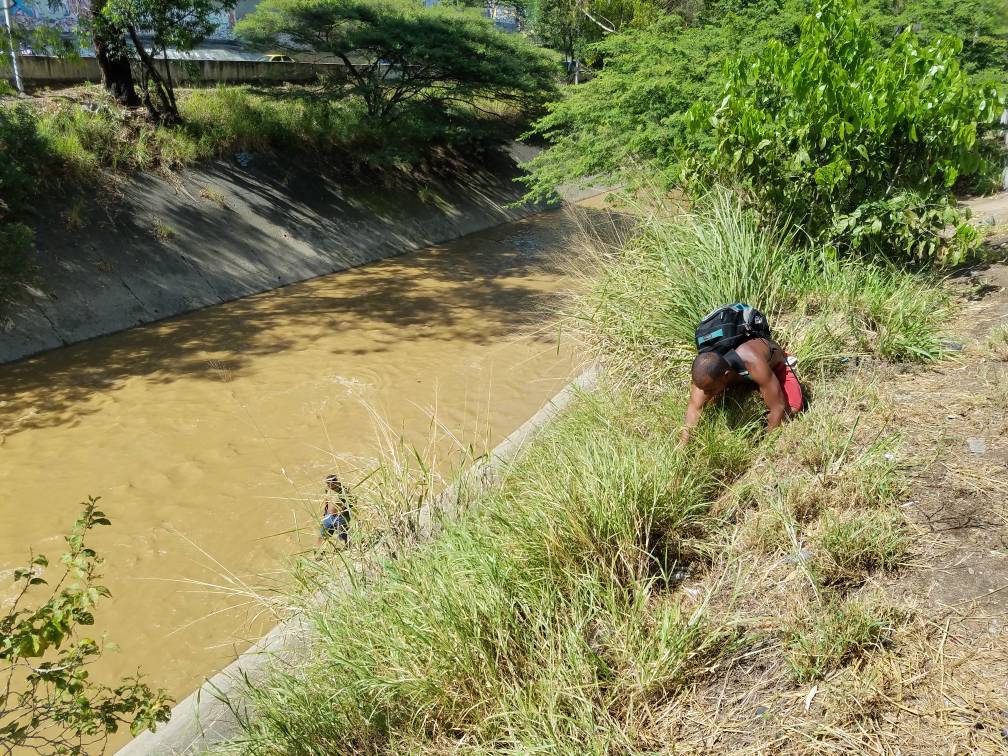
[792, 389]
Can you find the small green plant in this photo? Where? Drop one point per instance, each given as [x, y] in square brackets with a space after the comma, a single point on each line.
[997, 342]
[857, 144]
[835, 635]
[853, 544]
[161, 230]
[49, 704]
[212, 195]
[74, 217]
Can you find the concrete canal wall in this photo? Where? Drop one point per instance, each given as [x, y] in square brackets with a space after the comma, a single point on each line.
[231, 229]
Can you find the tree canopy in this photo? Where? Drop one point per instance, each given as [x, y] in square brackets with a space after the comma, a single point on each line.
[627, 120]
[167, 24]
[396, 53]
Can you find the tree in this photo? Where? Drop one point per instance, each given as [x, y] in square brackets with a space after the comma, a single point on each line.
[626, 120]
[625, 123]
[399, 53]
[166, 24]
[857, 144]
[49, 704]
[574, 26]
[112, 55]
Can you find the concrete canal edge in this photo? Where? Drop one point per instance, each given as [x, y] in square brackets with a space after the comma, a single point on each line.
[208, 716]
[234, 228]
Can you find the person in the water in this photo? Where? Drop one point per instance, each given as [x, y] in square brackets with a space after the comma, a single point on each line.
[336, 505]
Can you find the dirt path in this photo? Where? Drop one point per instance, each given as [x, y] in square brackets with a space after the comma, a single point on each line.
[955, 425]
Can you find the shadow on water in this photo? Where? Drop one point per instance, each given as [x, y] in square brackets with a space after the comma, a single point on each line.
[479, 289]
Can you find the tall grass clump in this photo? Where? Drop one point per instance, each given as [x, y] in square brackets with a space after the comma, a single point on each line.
[540, 621]
[839, 633]
[650, 290]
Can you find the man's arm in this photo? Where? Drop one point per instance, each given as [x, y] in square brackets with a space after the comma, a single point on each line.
[771, 391]
[697, 400]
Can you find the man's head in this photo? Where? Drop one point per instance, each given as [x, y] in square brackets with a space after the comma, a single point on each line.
[710, 372]
[333, 484]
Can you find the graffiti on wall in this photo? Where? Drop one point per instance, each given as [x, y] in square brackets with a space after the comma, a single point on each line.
[29, 14]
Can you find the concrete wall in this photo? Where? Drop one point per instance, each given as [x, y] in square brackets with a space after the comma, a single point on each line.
[231, 229]
[40, 71]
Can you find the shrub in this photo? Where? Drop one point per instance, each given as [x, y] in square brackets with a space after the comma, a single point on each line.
[20, 145]
[855, 144]
[50, 704]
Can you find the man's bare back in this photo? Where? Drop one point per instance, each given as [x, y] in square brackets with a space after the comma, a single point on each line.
[759, 363]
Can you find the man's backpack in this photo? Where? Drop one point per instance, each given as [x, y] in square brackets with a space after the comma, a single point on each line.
[727, 327]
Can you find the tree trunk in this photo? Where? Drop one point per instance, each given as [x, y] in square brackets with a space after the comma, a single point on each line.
[117, 76]
[166, 111]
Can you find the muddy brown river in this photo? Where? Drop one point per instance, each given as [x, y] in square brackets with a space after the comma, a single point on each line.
[208, 435]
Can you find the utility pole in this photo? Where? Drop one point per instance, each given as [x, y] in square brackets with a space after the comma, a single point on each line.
[13, 50]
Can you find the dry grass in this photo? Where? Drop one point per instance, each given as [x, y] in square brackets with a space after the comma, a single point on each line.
[997, 342]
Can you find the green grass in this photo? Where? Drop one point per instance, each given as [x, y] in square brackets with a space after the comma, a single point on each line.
[838, 634]
[648, 295]
[540, 622]
[853, 544]
[83, 134]
[548, 617]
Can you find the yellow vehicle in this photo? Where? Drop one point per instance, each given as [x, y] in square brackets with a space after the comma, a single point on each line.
[279, 58]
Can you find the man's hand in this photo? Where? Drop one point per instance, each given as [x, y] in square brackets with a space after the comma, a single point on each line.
[697, 400]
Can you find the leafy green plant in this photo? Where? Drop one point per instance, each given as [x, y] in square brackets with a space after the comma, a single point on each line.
[858, 145]
[50, 704]
[982, 25]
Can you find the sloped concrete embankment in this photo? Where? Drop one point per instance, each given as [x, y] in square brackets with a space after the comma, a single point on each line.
[232, 229]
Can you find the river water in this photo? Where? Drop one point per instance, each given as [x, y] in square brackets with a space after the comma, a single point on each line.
[208, 435]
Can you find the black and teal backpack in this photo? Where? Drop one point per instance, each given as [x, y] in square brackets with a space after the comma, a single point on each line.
[728, 326]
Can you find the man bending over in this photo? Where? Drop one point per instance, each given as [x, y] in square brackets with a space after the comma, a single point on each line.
[736, 350]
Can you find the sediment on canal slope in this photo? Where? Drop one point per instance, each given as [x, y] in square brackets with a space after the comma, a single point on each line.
[235, 228]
